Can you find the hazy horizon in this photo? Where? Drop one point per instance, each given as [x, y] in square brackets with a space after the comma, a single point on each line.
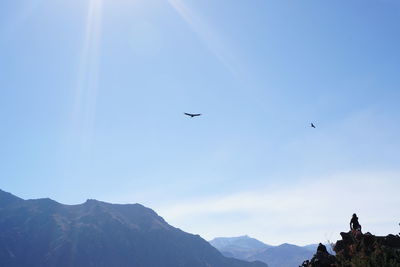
[93, 95]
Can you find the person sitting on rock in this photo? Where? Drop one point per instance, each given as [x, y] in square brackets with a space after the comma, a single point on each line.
[322, 258]
[321, 248]
[354, 224]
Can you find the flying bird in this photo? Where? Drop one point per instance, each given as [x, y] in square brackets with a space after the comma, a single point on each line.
[192, 115]
[312, 125]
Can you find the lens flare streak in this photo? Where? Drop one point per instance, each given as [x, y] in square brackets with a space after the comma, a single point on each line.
[84, 112]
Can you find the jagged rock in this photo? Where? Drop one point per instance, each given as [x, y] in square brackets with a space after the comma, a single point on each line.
[392, 241]
[367, 242]
[320, 259]
[360, 250]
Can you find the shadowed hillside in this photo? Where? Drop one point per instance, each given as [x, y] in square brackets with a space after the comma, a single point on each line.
[45, 233]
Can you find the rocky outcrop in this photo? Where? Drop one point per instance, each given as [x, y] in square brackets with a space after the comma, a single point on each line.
[320, 259]
[360, 250]
[357, 249]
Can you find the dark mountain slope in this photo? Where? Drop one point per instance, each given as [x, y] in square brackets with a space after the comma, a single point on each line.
[8, 199]
[46, 233]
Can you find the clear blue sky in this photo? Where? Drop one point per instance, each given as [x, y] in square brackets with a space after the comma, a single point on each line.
[92, 95]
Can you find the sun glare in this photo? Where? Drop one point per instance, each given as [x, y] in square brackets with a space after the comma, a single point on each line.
[84, 111]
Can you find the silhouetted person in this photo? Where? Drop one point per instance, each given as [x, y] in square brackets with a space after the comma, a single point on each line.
[320, 259]
[354, 224]
[321, 248]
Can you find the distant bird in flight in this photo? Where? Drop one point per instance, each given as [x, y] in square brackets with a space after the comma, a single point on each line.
[192, 115]
[312, 125]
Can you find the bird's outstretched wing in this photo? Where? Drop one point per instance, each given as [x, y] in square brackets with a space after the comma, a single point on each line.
[192, 115]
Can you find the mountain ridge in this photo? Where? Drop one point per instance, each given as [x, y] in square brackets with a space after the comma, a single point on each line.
[44, 233]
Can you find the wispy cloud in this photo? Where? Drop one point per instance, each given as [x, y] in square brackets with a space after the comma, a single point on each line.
[305, 212]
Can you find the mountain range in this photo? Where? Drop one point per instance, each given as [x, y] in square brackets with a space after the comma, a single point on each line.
[44, 233]
[250, 249]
